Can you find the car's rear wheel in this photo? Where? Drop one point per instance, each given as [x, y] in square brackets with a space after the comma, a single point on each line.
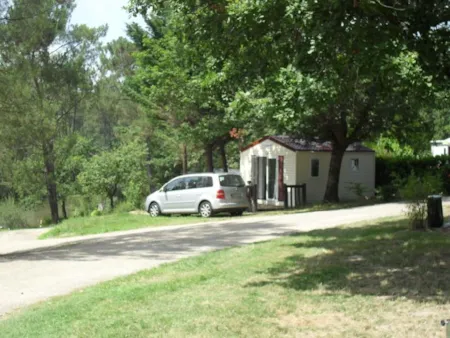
[205, 209]
[154, 210]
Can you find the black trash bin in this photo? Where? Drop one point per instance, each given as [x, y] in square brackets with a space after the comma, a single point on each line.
[435, 214]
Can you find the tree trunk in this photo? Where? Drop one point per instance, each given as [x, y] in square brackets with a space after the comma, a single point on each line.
[149, 177]
[185, 159]
[149, 167]
[209, 158]
[63, 207]
[111, 195]
[223, 156]
[332, 190]
[50, 182]
[111, 202]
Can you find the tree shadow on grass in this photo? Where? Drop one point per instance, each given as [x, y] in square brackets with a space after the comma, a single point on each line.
[382, 260]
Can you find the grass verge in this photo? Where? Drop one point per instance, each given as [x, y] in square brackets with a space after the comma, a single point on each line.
[371, 280]
[117, 222]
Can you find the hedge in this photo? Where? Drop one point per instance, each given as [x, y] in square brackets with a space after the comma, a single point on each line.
[390, 168]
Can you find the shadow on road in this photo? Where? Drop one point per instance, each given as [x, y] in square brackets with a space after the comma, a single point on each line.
[160, 245]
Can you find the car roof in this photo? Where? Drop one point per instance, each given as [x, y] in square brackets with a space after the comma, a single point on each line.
[206, 174]
[203, 175]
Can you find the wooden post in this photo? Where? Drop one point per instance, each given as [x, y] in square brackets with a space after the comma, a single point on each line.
[255, 198]
[304, 194]
[286, 203]
[252, 191]
[292, 198]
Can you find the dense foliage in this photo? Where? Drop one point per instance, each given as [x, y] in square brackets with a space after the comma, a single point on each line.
[393, 171]
[339, 70]
[83, 121]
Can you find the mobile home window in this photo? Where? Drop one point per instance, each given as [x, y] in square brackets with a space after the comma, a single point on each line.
[355, 164]
[315, 168]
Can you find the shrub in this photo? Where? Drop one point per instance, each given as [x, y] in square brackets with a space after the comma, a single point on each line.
[124, 207]
[107, 173]
[391, 192]
[416, 191]
[387, 193]
[134, 194]
[96, 213]
[12, 216]
[359, 190]
[46, 221]
[391, 170]
[81, 205]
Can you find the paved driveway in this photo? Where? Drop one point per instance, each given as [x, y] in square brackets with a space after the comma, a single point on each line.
[26, 278]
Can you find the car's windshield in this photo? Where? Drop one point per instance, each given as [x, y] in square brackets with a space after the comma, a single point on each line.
[231, 181]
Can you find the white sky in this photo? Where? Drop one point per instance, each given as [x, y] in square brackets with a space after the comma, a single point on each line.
[95, 13]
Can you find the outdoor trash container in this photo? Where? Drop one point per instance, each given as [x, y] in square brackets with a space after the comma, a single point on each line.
[446, 323]
[435, 215]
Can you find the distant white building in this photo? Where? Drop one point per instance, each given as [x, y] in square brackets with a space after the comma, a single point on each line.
[440, 147]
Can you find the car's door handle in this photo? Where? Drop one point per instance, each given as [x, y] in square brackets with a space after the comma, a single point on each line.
[178, 195]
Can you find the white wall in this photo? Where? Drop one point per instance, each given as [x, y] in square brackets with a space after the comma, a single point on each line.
[269, 149]
[316, 186]
[297, 169]
[438, 150]
[364, 176]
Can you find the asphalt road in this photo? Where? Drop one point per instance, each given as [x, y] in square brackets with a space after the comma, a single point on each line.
[30, 277]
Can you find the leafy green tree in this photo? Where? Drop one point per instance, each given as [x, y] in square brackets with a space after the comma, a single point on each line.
[441, 115]
[6, 173]
[112, 108]
[72, 153]
[339, 71]
[47, 71]
[180, 92]
[121, 169]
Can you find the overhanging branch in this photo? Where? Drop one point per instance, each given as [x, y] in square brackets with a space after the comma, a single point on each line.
[390, 7]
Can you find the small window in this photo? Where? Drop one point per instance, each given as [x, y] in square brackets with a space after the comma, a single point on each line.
[196, 182]
[315, 168]
[192, 182]
[205, 182]
[355, 164]
[178, 184]
[231, 181]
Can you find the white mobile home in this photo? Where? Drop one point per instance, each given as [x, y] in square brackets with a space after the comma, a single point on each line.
[440, 147]
[275, 161]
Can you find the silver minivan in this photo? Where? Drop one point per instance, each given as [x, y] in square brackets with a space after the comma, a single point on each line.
[206, 194]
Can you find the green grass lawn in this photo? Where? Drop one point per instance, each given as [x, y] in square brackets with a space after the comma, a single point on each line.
[117, 222]
[364, 280]
[124, 221]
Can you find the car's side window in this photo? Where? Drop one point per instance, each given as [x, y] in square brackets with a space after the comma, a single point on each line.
[196, 182]
[178, 184]
[192, 182]
[205, 182]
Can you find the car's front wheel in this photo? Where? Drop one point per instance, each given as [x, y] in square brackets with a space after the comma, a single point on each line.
[205, 209]
[154, 210]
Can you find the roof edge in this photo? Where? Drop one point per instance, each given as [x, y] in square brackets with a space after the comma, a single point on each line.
[275, 140]
[265, 138]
